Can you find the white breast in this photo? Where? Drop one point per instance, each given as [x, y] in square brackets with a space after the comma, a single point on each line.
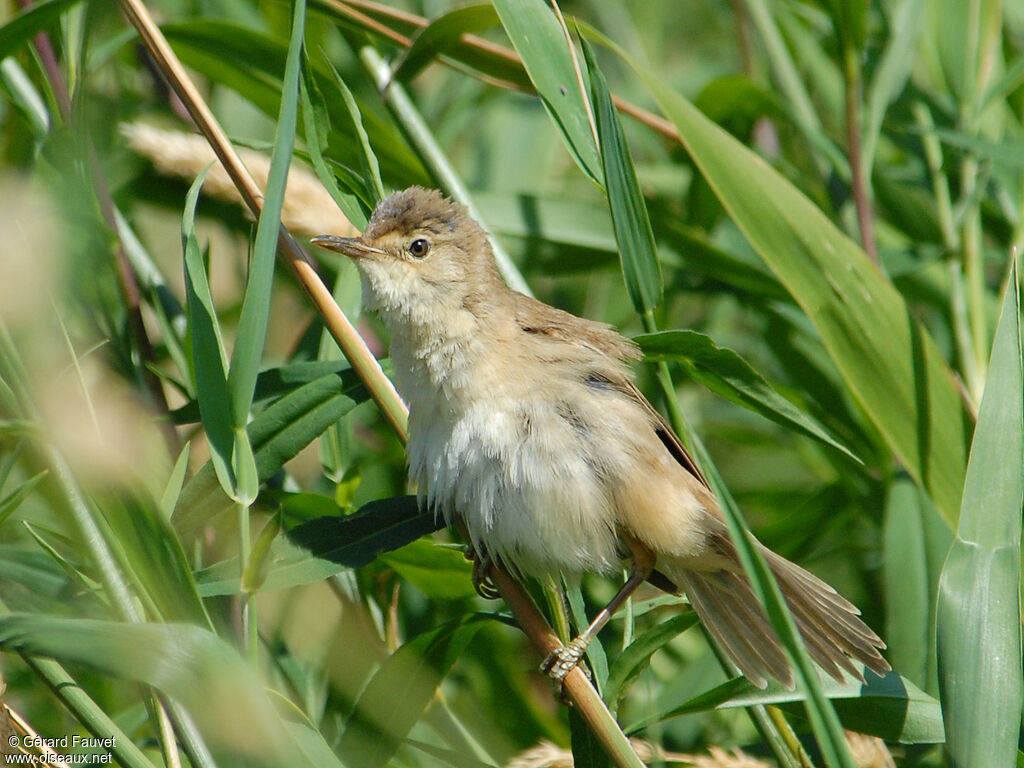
[498, 458]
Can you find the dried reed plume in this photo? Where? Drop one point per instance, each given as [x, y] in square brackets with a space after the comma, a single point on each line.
[308, 208]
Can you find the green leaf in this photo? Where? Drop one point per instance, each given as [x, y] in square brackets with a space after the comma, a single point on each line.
[24, 95]
[399, 692]
[636, 657]
[889, 707]
[30, 579]
[978, 627]
[909, 553]
[893, 71]
[152, 553]
[255, 572]
[277, 435]
[367, 157]
[273, 383]
[886, 358]
[285, 566]
[441, 573]
[255, 317]
[1005, 153]
[316, 122]
[357, 539]
[20, 29]
[10, 503]
[633, 232]
[225, 700]
[209, 362]
[174, 483]
[729, 375]
[443, 33]
[540, 41]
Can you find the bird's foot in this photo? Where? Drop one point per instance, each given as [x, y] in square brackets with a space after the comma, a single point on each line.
[562, 661]
[482, 581]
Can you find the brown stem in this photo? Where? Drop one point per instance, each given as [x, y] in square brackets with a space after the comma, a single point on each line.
[859, 182]
[575, 683]
[352, 346]
[414, 22]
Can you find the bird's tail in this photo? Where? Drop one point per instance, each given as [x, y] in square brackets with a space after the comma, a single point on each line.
[833, 634]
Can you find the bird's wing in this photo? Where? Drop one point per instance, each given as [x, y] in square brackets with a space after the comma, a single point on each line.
[536, 317]
[539, 318]
[667, 435]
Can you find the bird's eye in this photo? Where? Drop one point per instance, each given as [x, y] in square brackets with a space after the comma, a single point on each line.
[419, 247]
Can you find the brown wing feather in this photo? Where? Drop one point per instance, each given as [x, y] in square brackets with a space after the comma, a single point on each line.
[536, 317]
[668, 436]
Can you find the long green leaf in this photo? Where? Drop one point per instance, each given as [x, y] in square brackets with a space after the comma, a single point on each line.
[13, 500]
[277, 434]
[255, 318]
[286, 566]
[367, 157]
[277, 382]
[355, 540]
[443, 33]
[209, 362]
[887, 359]
[316, 124]
[894, 67]
[978, 626]
[326, 545]
[635, 658]
[907, 593]
[539, 40]
[441, 573]
[153, 554]
[19, 30]
[633, 233]
[725, 372]
[192, 665]
[400, 691]
[891, 708]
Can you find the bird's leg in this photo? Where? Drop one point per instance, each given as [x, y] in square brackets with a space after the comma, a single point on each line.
[561, 661]
[482, 582]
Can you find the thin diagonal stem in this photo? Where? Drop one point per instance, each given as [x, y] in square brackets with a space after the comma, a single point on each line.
[362, 360]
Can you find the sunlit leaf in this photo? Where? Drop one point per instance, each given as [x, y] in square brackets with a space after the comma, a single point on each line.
[725, 372]
[639, 255]
[978, 626]
[540, 41]
[396, 696]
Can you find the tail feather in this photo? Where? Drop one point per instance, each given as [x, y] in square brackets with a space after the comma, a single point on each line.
[833, 634]
[737, 626]
[839, 627]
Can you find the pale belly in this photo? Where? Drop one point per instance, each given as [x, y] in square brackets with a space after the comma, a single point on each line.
[518, 480]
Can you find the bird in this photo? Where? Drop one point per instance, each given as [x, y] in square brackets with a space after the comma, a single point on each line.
[527, 432]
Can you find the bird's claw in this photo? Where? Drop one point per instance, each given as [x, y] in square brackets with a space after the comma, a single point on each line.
[562, 661]
[482, 581]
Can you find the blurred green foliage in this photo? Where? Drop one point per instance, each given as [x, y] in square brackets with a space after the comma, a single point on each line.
[834, 189]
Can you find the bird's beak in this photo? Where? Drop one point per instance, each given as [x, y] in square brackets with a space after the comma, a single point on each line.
[353, 247]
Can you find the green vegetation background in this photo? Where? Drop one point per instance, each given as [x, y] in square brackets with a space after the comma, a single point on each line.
[808, 229]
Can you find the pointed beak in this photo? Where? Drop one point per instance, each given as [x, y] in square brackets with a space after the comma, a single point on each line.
[353, 247]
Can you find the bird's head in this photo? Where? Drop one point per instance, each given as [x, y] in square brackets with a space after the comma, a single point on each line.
[420, 256]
